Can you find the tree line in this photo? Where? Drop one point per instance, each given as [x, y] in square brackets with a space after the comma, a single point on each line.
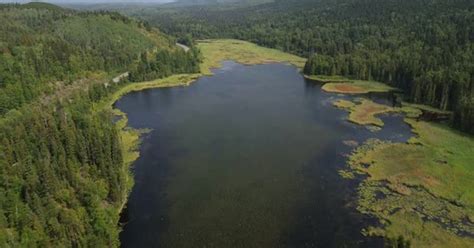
[424, 47]
[164, 63]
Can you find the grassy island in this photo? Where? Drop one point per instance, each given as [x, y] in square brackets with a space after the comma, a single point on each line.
[356, 87]
[364, 113]
[343, 85]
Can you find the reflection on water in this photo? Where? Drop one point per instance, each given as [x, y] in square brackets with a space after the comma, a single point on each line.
[247, 157]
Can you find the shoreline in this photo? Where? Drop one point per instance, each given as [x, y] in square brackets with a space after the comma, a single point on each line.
[405, 188]
[130, 137]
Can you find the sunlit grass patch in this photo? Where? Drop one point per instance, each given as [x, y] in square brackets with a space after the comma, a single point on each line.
[216, 51]
[364, 113]
[344, 104]
[356, 87]
[344, 85]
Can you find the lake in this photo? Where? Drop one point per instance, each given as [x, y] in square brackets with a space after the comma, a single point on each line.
[247, 157]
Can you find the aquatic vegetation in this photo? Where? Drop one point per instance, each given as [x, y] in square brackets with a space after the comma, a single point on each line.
[347, 174]
[422, 190]
[364, 113]
[131, 137]
[351, 143]
[344, 104]
[355, 87]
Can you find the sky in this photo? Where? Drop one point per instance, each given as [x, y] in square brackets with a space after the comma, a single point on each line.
[89, 1]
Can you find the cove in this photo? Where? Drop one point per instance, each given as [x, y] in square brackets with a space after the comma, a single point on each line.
[247, 157]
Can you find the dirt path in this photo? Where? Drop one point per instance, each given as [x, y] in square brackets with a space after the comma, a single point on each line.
[120, 77]
[185, 48]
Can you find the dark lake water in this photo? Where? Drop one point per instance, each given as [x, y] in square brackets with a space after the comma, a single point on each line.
[248, 157]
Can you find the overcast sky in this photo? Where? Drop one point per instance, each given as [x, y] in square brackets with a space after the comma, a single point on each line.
[89, 1]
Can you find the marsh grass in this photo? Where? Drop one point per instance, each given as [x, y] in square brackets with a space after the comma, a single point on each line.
[422, 190]
[216, 51]
[356, 87]
[427, 183]
[365, 112]
[344, 85]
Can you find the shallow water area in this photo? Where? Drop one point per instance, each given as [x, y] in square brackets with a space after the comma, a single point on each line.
[247, 157]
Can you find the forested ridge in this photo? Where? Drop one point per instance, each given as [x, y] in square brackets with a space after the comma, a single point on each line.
[424, 47]
[42, 45]
[63, 178]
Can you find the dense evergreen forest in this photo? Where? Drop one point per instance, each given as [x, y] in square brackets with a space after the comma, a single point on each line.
[62, 175]
[43, 45]
[164, 63]
[425, 47]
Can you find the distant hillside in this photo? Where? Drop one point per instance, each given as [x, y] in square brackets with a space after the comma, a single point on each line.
[224, 1]
[211, 2]
[42, 43]
[40, 5]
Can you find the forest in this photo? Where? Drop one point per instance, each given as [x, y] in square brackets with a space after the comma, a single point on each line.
[43, 45]
[63, 179]
[424, 47]
[163, 63]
